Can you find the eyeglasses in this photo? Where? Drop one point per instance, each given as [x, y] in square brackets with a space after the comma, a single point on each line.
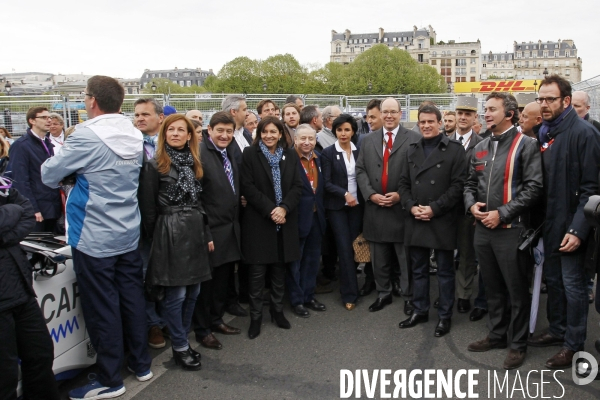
[46, 117]
[393, 112]
[87, 94]
[549, 100]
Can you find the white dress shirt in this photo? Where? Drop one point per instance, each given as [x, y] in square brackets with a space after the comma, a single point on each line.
[350, 169]
[240, 139]
[385, 137]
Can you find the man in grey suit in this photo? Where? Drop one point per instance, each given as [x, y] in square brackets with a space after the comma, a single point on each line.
[378, 175]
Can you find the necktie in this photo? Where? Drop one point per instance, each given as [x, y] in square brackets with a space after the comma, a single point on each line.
[386, 157]
[228, 170]
[460, 139]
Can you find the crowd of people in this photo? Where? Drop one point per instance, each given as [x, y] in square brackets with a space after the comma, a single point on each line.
[172, 225]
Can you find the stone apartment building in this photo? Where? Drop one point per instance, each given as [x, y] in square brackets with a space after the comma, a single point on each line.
[184, 77]
[529, 60]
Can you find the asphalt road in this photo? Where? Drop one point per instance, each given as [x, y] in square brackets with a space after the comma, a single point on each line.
[305, 362]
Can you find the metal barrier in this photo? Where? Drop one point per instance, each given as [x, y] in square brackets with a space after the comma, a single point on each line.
[14, 108]
[592, 88]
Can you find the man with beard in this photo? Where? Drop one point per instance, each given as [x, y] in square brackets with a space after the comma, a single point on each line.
[570, 154]
[450, 123]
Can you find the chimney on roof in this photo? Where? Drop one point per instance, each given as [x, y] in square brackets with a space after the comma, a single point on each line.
[347, 34]
[333, 33]
[381, 32]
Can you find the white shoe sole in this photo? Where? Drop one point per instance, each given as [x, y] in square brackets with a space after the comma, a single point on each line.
[110, 395]
[143, 378]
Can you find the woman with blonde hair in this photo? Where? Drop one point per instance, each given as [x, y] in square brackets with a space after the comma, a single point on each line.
[173, 217]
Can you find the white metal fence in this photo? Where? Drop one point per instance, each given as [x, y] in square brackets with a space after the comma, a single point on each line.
[14, 108]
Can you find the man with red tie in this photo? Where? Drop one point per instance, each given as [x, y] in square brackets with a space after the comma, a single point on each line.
[378, 174]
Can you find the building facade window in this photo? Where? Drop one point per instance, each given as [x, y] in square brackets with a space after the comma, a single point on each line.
[338, 48]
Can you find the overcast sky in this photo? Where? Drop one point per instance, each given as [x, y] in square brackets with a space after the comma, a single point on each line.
[122, 38]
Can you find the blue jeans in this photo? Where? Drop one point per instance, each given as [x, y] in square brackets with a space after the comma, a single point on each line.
[151, 313]
[419, 260]
[301, 277]
[178, 306]
[567, 305]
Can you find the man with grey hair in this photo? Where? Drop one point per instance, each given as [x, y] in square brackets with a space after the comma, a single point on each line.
[147, 117]
[581, 104]
[311, 115]
[326, 137]
[301, 278]
[242, 138]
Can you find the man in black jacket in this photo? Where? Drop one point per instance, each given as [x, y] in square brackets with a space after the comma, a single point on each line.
[24, 334]
[505, 181]
[27, 154]
[431, 186]
[570, 154]
[221, 200]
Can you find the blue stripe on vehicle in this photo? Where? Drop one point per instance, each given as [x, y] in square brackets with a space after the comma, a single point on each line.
[76, 204]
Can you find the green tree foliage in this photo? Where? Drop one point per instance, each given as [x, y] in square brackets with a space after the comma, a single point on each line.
[389, 71]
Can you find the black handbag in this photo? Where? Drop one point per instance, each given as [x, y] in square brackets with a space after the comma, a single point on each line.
[529, 238]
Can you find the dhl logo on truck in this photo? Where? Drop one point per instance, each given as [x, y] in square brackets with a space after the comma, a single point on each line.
[494, 86]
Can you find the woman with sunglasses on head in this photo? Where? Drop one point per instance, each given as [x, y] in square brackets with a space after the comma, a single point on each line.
[173, 216]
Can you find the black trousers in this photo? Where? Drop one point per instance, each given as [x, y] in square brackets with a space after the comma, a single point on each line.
[257, 274]
[241, 291]
[504, 274]
[210, 305]
[24, 335]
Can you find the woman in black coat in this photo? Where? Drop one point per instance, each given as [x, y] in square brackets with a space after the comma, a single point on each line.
[343, 201]
[272, 186]
[173, 217]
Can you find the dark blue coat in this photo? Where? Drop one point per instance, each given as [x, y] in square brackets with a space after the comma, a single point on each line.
[336, 178]
[27, 155]
[573, 178]
[308, 200]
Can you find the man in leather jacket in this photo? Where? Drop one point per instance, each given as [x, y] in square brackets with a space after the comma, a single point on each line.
[505, 181]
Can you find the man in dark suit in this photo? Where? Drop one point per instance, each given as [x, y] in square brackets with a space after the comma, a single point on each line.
[378, 175]
[27, 154]
[431, 184]
[237, 108]
[220, 197]
[301, 278]
[466, 113]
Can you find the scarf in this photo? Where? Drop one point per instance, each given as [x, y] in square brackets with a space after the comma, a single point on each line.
[151, 140]
[186, 190]
[273, 160]
[544, 132]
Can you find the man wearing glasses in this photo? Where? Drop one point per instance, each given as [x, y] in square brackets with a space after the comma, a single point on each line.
[378, 176]
[570, 157]
[27, 155]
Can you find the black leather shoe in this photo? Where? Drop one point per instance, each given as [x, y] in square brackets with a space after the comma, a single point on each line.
[477, 314]
[254, 329]
[463, 305]
[545, 339]
[409, 307]
[196, 354]
[432, 270]
[413, 320]
[186, 360]
[315, 305]
[436, 303]
[237, 310]
[301, 311]
[279, 319]
[380, 303]
[544, 289]
[396, 290]
[225, 329]
[367, 288]
[443, 327]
